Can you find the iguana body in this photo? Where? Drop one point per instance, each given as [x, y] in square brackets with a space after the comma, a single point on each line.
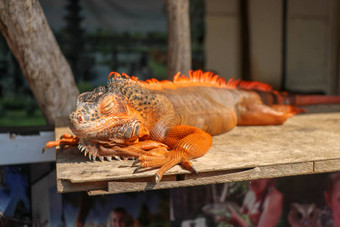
[167, 123]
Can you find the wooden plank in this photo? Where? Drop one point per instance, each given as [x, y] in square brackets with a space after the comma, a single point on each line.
[67, 186]
[327, 166]
[24, 149]
[211, 178]
[300, 146]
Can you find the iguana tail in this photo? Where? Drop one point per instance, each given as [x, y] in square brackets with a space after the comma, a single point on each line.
[300, 100]
[270, 96]
[284, 98]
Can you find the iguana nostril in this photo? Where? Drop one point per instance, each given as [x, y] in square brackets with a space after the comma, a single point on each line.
[80, 119]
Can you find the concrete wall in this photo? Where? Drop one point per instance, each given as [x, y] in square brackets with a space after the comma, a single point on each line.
[265, 20]
[311, 50]
[312, 42]
[222, 37]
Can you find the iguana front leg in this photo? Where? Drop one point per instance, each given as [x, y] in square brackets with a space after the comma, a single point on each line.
[65, 139]
[185, 143]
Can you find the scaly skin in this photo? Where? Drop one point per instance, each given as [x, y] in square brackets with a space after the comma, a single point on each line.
[163, 124]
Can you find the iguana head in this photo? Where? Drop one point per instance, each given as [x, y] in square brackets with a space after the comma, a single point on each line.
[104, 116]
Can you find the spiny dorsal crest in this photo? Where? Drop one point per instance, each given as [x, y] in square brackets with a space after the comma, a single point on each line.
[195, 78]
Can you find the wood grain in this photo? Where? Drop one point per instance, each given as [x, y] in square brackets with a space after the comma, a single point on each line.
[305, 144]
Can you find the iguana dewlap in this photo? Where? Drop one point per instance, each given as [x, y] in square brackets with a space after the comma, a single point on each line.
[163, 124]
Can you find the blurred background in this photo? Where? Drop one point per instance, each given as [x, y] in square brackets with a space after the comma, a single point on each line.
[291, 44]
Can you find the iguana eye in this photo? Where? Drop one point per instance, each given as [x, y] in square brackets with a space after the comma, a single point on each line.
[107, 105]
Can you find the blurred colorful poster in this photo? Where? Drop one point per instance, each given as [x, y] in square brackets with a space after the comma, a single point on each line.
[128, 209]
[297, 201]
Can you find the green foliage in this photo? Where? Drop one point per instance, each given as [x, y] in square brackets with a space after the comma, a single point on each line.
[85, 86]
[20, 110]
[158, 70]
[15, 102]
[21, 118]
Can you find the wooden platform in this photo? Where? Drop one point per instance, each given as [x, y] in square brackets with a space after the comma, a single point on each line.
[305, 144]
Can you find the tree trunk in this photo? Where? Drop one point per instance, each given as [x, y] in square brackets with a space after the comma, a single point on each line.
[179, 46]
[32, 42]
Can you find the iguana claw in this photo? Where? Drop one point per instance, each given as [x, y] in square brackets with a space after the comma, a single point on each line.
[135, 162]
[157, 178]
[138, 168]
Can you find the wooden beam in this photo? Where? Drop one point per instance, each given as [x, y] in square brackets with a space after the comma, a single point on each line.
[179, 44]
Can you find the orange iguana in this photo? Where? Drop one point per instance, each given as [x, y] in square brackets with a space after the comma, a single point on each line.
[163, 123]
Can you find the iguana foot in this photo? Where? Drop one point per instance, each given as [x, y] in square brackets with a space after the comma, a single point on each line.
[186, 142]
[65, 139]
[164, 163]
